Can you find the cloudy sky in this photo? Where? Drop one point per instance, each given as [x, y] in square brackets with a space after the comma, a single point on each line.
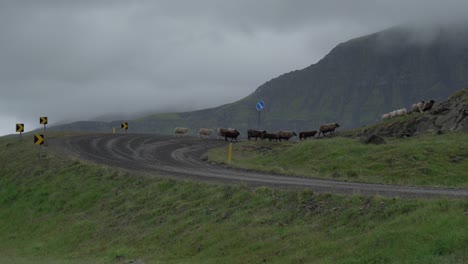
[76, 60]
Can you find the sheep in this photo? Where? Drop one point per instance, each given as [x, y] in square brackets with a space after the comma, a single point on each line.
[286, 135]
[428, 105]
[401, 112]
[393, 114]
[418, 107]
[252, 133]
[205, 132]
[271, 136]
[328, 128]
[180, 131]
[386, 116]
[232, 134]
[222, 131]
[305, 134]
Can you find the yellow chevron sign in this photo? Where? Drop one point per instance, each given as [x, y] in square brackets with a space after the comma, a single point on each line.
[43, 120]
[124, 125]
[20, 128]
[38, 139]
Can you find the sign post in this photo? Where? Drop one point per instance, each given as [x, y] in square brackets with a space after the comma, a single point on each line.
[39, 140]
[43, 121]
[124, 126]
[20, 129]
[260, 105]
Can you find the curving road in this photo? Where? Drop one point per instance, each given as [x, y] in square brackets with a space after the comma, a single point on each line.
[180, 158]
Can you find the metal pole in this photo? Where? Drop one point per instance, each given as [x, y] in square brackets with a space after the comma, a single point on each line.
[258, 123]
[40, 151]
[45, 142]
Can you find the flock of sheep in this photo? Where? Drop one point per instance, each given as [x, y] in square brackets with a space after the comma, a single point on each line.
[418, 107]
[233, 134]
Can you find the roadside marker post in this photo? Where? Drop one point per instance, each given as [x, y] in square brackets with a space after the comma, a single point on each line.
[39, 140]
[229, 153]
[260, 105]
[124, 126]
[43, 120]
[113, 130]
[20, 129]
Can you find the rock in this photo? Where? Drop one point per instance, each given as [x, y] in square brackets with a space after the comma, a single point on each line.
[374, 139]
[450, 115]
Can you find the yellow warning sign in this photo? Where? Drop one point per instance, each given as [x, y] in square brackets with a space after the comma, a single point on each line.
[38, 139]
[124, 125]
[43, 120]
[20, 128]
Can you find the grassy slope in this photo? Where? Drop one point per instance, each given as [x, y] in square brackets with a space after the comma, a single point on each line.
[63, 211]
[426, 160]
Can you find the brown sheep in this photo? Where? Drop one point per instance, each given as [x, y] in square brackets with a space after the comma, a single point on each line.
[232, 134]
[428, 105]
[286, 135]
[305, 134]
[271, 136]
[252, 133]
[328, 128]
[222, 131]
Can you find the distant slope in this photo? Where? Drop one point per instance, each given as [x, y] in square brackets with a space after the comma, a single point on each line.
[352, 85]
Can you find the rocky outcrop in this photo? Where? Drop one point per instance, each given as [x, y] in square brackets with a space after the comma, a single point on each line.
[450, 115]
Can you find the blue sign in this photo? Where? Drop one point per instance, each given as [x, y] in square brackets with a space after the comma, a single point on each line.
[260, 105]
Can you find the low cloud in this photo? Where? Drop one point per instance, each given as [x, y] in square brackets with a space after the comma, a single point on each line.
[75, 60]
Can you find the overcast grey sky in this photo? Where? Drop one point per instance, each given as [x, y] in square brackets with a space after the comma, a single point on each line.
[73, 60]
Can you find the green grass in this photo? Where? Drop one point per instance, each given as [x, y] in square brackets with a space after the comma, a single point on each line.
[427, 160]
[58, 210]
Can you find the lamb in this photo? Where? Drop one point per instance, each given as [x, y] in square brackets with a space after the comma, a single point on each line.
[305, 134]
[328, 128]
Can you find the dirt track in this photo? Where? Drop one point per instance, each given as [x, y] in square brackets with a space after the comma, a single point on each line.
[180, 158]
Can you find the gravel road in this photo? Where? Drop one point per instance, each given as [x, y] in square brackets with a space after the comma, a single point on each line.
[180, 158]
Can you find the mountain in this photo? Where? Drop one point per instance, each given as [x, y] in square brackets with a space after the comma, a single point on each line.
[353, 85]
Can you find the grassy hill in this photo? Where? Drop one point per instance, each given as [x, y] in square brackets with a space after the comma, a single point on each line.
[61, 210]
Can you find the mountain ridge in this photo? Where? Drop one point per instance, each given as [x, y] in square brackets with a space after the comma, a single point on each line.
[353, 85]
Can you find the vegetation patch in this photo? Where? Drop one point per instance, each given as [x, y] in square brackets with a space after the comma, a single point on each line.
[427, 160]
[58, 210]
